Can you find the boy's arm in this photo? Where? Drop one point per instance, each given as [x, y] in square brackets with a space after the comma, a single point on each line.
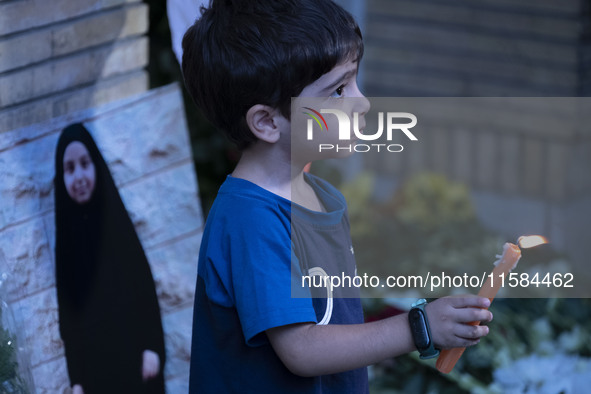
[308, 349]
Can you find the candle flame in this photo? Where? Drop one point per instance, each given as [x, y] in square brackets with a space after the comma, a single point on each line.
[529, 241]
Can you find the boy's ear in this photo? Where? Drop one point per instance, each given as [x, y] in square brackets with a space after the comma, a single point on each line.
[263, 121]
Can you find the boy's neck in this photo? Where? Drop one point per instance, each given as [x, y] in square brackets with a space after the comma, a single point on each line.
[272, 170]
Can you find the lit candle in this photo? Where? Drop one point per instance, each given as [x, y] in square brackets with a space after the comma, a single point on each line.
[507, 262]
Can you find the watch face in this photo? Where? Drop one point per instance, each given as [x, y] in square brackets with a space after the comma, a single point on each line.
[418, 327]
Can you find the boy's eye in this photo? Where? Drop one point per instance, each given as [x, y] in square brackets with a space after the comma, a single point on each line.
[338, 92]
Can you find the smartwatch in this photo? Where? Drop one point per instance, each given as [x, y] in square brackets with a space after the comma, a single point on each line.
[419, 327]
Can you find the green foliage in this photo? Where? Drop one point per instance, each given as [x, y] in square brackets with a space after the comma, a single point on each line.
[10, 381]
[429, 224]
[430, 202]
[358, 192]
[7, 363]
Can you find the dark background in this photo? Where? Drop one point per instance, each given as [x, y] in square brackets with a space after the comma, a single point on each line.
[213, 155]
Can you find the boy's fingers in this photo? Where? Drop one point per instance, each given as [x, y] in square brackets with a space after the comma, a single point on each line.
[467, 315]
[469, 332]
[470, 301]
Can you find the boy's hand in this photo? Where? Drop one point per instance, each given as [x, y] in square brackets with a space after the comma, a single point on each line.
[449, 318]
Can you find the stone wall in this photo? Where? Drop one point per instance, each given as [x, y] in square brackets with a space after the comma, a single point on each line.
[145, 143]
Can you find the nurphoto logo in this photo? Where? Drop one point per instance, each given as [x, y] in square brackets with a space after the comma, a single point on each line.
[393, 125]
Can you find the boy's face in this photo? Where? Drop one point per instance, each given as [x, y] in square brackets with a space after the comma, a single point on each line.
[337, 90]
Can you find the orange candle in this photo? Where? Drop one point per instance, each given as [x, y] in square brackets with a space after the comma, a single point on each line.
[511, 255]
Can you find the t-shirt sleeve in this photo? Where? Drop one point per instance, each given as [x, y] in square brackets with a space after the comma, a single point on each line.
[260, 255]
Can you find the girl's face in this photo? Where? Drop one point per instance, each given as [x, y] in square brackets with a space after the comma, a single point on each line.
[79, 172]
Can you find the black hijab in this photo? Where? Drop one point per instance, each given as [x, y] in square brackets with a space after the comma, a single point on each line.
[79, 228]
[107, 300]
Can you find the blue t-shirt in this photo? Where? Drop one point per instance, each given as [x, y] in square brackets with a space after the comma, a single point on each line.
[244, 287]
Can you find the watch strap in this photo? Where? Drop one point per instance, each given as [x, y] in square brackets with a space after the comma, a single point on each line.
[429, 351]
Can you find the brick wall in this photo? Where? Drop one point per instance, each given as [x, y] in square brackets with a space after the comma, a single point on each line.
[62, 56]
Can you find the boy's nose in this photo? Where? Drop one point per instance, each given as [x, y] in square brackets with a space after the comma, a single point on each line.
[362, 104]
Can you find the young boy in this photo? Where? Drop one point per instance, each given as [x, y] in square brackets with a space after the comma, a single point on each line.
[243, 62]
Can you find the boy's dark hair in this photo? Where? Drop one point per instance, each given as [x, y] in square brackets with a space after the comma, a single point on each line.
[246, 52]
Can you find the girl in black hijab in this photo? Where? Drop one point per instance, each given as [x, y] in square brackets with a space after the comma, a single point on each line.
[108, 309]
